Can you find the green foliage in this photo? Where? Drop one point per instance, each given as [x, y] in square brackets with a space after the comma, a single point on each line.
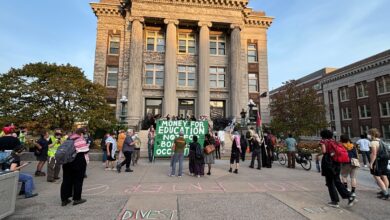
[43, 95]
[297, 111]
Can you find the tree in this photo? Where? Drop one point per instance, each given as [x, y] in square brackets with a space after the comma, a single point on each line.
[296, 110]
[43, 95]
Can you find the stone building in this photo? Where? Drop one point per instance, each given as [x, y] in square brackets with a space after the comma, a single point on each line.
[356, 97]
[181, 57]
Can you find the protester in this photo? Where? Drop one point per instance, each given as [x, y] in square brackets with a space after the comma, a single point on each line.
[331, 171]
[137, 149]
[104, 149]
[7, 141]
[22, 135]
[346, 168]
[53, 168]
[178, 147]
[121, 139]
[41, 150]
[291, 144]
[269, 149]
[244, 146]
[209, 158]
[27, 180]
[73, 172]
[236, 151]
[111, 147]
[128, 148]
[256, 151]
[221, 136]
[151, 134]
[378, 164]
[217, 146]
[364, 146]
[196, 158]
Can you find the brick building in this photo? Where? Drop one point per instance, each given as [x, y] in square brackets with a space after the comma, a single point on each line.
[189, 57]
[356, 97]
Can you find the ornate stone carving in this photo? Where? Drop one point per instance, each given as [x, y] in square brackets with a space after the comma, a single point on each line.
[105, 9]
[205, 23]
[140, 19]
[174, 21]
[236, 4]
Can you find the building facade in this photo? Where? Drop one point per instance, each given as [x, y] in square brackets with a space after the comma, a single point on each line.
[356, 97]
[181, 57]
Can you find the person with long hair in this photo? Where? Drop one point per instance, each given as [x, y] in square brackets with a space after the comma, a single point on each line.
[209, 158]
[346, 168]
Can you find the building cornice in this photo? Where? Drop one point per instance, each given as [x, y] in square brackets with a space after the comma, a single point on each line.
[373, 62]
[256, 18]
[233, 4]
[101, 9]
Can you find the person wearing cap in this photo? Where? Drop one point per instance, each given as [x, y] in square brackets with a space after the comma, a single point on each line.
[179, 144]
[53, 168]
[9, 142]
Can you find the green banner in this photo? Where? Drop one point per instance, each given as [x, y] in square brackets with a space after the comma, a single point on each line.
[167, 131]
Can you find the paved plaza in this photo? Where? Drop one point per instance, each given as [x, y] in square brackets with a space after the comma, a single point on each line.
[148, 193]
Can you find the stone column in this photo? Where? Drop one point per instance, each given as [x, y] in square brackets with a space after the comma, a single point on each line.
[135, 72]
[170, 74]
[235, 80]
[203, 79]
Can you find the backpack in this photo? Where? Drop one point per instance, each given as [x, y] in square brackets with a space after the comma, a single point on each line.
[217, 142]
[198, 152]
[66, 152]
[383, 151]
[340, 153]
[272, 139]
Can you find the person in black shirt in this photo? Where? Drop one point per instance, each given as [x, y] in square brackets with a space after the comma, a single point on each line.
[41, 148]
[9, 142]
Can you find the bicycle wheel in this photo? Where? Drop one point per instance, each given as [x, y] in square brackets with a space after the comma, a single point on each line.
[282, 158]
[306, 164]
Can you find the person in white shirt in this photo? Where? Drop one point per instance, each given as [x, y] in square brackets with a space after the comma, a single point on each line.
[221, 136]
[364, 146]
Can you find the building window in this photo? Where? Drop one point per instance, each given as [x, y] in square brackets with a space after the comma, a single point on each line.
[252, 53]
[155, 41]
[187, 43]
[332, 117]
[385, 109]
[361, 90]
[347, 131]
[344, 94]
[330, 95]
[154, 74]
[186, 76]
[217, 45]
[112, 76]
[153, 107]
[217, 77]
[114, 45]
[217, 109]
[346, 113]
[253, 82]
[364, 129]
[364, 111]
[386, 132]
[383, 84]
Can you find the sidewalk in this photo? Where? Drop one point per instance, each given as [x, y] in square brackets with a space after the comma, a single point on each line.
[148, 193]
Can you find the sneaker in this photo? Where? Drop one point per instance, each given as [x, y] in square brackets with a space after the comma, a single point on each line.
[118, 168]
[365, 166]
[30, 196]
[259, 168]
[66, 202]
[42, 173]
[179, 176]
[353, 194]
[78, 202]
[37, 173]
[251, 167]
[170, 175]
[334, 204]
[209, 173]
[129, 170]
[351, 201]
[198, 176]
[230, 170]
[235, 171]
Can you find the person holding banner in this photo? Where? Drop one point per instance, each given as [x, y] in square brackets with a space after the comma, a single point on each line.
[178, 147]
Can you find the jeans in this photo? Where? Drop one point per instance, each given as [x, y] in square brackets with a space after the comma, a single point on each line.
[53, 169]
[291, 159]
[150, 151]
[256, 154]
[364, 155]
[27, 183]
[177, 157]
[104, 156]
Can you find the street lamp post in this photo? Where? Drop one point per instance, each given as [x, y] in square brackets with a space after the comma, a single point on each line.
[123, 115]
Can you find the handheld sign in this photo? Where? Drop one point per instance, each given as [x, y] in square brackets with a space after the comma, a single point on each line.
[167, 131]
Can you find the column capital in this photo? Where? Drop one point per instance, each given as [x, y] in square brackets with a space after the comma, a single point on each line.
[140, 19]
[205, 23]
[234, 26]
[168, 21]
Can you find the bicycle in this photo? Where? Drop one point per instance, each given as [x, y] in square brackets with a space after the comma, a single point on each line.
[300, 157]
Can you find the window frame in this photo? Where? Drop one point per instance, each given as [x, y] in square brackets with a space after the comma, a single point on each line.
[387, 109]
[256, 55]
[186, 39]
[155, 70]
[156, 36]
[217, 41]
[110, 41]
[257, 82]
[217, 74]
[346, 113]
[186, 72]
[366, 110]
[386, 133]
[361, 87]
[108, 72]
[344, 91]
[330, 97]
[386, 84]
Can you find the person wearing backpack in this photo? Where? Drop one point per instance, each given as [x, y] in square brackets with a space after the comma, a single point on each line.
[379, 160]
[73, 172]
[217, 146]
[334, 153]
[196, 158]
[347, 169]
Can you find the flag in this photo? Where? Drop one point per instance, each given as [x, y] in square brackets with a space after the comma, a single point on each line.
[258, 121]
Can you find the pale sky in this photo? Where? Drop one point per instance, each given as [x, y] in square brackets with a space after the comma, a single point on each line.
[306, 35]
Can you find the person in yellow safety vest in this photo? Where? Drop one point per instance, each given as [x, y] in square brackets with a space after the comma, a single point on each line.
[2, 133]
[22, 135]
[53, 169]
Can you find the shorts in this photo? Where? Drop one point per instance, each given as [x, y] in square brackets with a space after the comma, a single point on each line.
[348, 169]
[379, 168]
[235, 156]
[42, 157]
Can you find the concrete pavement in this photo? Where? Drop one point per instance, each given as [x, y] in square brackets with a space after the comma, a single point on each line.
[148, 193]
